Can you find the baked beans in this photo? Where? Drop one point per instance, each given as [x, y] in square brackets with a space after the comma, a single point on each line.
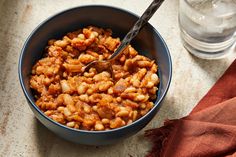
[92, 100]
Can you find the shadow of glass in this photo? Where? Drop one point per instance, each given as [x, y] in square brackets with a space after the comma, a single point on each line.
[214, 68]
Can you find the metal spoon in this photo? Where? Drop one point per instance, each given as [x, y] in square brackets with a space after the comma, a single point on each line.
[106, 65]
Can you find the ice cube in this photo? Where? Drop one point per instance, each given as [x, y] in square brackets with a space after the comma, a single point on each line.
[223, 8]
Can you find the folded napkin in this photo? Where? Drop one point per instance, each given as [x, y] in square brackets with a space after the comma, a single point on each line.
[208, 131]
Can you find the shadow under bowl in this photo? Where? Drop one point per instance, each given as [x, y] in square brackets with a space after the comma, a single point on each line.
[148, 42]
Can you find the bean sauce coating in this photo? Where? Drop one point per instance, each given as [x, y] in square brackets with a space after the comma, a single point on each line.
[92, 100]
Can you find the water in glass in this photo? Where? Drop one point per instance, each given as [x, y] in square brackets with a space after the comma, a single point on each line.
[208, 27]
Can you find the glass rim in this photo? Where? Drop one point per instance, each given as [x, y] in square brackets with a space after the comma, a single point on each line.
[204, 14]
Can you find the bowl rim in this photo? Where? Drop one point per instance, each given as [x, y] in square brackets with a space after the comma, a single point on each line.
[32, 103]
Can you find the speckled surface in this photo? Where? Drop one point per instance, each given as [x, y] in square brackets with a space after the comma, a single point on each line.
[22, 135]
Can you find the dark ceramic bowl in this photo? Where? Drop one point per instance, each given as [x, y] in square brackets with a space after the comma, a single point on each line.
[149, 43]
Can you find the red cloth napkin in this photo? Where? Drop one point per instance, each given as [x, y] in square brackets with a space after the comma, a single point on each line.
[208, 131]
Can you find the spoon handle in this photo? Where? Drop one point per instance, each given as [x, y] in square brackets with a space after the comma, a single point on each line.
[137, 27]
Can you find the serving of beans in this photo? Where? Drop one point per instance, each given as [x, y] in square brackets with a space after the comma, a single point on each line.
[92, 100]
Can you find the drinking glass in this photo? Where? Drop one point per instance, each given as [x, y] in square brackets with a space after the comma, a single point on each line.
[208, 27]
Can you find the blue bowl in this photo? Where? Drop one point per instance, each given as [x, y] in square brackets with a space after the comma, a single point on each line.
[148, 42]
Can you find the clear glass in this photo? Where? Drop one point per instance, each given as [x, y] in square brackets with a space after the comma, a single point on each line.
[208, 27]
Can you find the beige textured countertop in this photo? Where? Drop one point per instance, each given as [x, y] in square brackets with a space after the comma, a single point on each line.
[21, 135]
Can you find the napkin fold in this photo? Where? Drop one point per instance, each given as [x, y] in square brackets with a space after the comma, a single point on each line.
[208, 131]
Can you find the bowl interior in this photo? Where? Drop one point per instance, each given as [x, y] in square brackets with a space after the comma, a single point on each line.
[148, 42]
